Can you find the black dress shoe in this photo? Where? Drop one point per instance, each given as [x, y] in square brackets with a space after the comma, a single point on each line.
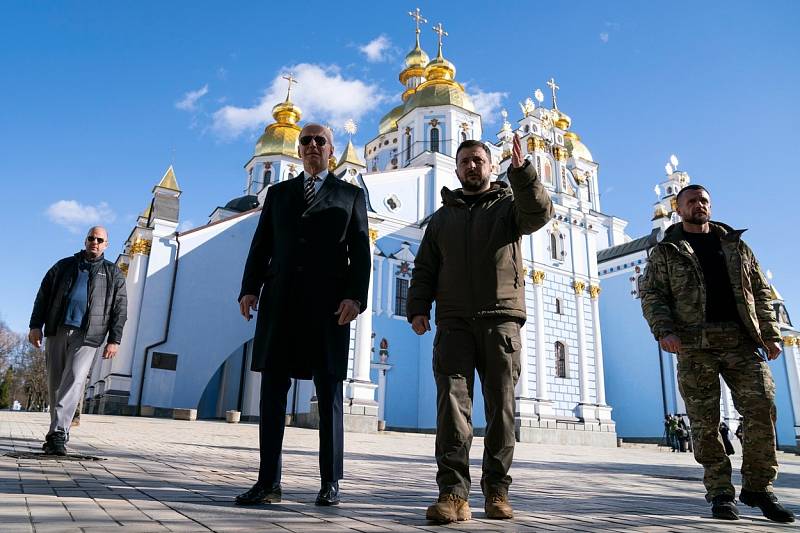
[260, 494]
[328, 494]
[768, 503]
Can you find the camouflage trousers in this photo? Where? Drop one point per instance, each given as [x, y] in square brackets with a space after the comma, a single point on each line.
[753, 390]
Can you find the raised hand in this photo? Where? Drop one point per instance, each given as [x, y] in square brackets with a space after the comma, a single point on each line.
[517, 157]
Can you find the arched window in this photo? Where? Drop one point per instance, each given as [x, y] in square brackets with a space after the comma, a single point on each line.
[561, 360]
[548, 172]
[558, 306]
[434, 139]
[408, 146]
[290, 176]
[554, 246]
[463, 136]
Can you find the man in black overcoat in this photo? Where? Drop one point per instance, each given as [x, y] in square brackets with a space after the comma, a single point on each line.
[310, 263]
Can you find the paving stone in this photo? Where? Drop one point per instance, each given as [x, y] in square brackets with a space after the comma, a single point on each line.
[168, 475]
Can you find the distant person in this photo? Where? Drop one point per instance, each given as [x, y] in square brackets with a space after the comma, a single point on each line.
[706, 299]
[81, 303]
[470, 263]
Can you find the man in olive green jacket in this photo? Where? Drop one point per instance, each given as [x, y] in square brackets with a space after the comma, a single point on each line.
[470, 263]
[705, 299]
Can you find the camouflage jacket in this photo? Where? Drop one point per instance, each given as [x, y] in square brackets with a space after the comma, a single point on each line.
[673, 293]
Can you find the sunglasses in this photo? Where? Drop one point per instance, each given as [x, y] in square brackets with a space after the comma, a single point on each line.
[305, 140]
[92, 238]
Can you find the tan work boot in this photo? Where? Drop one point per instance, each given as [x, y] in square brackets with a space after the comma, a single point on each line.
[497, 505]
[449, 508]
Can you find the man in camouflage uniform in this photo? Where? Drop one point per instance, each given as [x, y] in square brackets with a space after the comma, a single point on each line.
[705, 299]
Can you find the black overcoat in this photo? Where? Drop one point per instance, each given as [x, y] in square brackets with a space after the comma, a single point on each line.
[303, 261]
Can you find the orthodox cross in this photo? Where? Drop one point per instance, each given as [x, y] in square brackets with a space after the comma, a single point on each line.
[417, 18]
[291, 79]
[552, 84]
[440, 30]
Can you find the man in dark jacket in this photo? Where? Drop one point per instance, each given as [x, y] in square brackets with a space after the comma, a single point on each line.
[706, 300]
[470, 263]
[81, 300]
[310, 263]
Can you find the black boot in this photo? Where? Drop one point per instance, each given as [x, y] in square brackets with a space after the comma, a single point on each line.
[768, 503]
[724, 508]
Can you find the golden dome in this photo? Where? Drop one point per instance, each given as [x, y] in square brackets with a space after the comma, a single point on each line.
[440, 94]
[561, 120]
[576, 148]
[280, 138]
[417, 57]
[389, 121]
[660, 212]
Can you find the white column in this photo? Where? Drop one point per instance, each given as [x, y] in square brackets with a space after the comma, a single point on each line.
[603, 410]
[544, 408]
[360, 387]
[121, 364]
[680, 405]
[599, 372]
[584, 410]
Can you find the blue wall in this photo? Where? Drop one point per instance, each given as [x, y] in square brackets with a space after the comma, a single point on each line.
[630, 354]
[785, 423]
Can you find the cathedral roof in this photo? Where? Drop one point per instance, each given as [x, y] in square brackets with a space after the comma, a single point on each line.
[636, 245]
[243, 203]
[389, 121]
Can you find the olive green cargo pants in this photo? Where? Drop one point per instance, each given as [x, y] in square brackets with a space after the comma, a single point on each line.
[490, 346]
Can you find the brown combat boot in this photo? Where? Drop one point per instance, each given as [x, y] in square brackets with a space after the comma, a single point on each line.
[449, 508]
[497, 506]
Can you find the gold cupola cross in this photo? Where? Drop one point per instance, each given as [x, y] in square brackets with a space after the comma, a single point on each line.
[291, 79]
[552, 84]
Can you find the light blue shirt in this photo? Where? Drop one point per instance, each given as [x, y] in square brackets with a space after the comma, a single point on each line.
[319, 181]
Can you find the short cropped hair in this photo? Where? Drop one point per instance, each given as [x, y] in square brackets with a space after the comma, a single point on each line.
[692, 187]
[471, 143]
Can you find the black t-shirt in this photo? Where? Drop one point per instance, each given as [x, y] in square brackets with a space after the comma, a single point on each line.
[720, 303]
[471, 199]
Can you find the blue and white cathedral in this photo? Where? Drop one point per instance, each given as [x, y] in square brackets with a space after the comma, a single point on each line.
[186, 345]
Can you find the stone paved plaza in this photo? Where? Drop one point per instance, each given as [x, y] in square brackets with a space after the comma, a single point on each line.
[165, 475]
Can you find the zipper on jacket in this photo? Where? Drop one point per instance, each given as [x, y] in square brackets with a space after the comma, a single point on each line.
[468, 261]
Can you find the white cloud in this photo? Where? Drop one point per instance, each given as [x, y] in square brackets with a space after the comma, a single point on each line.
[376, 50]
[322, 94]
[77, 217]
[487, 104]
[604, 37]
[189, 101]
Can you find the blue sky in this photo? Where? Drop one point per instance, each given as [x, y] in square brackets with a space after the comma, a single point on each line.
[97, 99]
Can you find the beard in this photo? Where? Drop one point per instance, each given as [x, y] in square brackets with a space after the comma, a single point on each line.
[697, 218]
[474, 182]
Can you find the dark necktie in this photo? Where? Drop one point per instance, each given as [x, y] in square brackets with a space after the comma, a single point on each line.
[309, 191]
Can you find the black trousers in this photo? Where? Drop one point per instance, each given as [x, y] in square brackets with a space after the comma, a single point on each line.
[274, 389]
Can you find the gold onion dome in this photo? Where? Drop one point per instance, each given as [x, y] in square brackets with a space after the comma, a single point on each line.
[440, 87]
[561, 120]
[417, 58]
[280, 138]
[389, 121]
[660, 212]
[575, 147]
